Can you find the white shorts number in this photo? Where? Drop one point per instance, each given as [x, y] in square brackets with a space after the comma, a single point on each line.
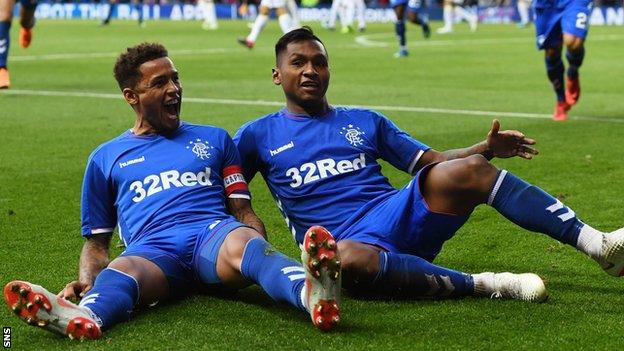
[581, 20]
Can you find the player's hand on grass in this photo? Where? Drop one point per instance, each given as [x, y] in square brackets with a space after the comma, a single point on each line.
[75, 290]
[509, 143]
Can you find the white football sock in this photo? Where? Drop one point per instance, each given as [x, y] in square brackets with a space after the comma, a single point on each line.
[590, 241]
[259, 23]
[483, 284]
[210, 15]
[294, 13]
[464, 13]
[360, 8]
[448, 16]
[523, 11]
[349, 13]
[333, 13]
[285, 22]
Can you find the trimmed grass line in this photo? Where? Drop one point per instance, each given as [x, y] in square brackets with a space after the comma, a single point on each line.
[432, 110]
[368, 41]
[78, 55]
[362, 41]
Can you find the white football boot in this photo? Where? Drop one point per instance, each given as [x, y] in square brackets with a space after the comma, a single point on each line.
[444, 30]
[38, 307]
[321, 262]
[526, 286]
[612, 257]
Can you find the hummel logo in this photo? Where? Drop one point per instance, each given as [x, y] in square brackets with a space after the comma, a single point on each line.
[131, 162]
[282, 148]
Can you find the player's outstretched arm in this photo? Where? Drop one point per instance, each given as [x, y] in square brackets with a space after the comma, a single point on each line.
[93, 258]
[242, 211]
[509, 143]
[502, 144]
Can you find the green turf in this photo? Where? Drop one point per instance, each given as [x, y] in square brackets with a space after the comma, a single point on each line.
[45, 140]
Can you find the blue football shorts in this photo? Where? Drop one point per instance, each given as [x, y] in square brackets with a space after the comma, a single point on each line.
[412, 5]
[552, 22]
[207, 251]
[403, 223]
[188, 257]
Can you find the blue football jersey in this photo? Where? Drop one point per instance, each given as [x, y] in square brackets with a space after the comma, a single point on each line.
[561, 3]
[149, 183]
[324, 170]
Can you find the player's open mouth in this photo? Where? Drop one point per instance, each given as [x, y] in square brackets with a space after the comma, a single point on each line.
[173, 107]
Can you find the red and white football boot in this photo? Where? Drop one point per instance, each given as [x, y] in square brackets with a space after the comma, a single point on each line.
[38, 307]
[321, 262]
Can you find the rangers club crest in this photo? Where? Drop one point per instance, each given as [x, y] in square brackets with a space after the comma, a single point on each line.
[201, 148]
[352, 134]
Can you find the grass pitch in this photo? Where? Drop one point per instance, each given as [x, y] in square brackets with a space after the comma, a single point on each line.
[64, 102]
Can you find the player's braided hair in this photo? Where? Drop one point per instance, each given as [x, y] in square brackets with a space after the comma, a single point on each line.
[126, 69]
[300, 34]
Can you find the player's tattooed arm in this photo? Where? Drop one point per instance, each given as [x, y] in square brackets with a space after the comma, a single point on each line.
[242, 211]
[93, 258]
[502, 144]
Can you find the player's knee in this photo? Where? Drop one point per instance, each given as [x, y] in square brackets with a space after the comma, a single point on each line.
[552, 53]
[472, 171]
[574, 44]
[358, 260]
[234, 245]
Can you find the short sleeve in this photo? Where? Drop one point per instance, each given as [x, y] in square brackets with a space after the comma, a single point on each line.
[248, 151]
[396, 146]
[97, 203]
[232, 173]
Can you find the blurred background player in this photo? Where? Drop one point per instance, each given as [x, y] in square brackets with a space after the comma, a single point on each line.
[283, 17]
[137, 4]
[337, 11]
[354, 11]
[348, 11]
[413, 8]
[455, 8]
[360, 11]
[293, 10]
[27, 22]
[558, 23]
[210, 14]
[523, 12]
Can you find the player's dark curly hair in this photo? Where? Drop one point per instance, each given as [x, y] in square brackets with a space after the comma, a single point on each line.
[300, 34]
[126, 69]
